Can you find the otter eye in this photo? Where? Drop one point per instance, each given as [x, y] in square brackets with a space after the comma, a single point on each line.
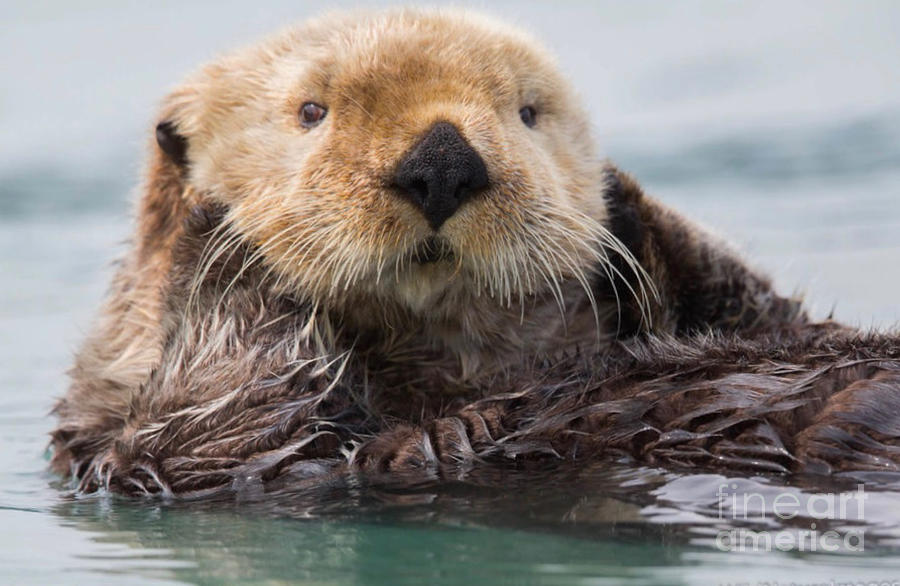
[311, 114]
[529, 116]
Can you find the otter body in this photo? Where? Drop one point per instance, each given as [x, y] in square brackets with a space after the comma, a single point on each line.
[384, 243]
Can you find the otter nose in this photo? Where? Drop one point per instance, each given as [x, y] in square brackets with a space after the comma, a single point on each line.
[440, 173]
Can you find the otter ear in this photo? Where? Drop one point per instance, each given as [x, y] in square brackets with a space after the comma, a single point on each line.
[178, 122]
[173, 144]
[167, 195]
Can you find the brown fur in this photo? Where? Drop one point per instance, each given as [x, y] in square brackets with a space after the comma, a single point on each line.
[272, 320]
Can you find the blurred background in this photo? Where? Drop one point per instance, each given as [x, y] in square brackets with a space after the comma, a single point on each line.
[774, 123]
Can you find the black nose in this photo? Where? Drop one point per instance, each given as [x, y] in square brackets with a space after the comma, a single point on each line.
[440, 173]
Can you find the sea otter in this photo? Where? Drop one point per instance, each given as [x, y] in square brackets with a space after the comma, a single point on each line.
[384, 243]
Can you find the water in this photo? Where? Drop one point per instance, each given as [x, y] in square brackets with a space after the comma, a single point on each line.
[775, 124]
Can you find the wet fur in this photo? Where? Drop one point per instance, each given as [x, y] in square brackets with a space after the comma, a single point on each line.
[263, 390]
[249, 343]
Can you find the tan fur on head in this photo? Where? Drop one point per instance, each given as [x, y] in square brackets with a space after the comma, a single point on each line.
[319, 204]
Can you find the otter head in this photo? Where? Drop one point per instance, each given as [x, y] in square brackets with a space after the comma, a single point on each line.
[411, 161]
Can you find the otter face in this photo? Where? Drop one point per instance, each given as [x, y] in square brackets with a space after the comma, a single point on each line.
[408, 157]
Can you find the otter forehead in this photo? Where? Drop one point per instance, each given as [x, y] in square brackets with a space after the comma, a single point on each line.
[436, 54]
[383, 62]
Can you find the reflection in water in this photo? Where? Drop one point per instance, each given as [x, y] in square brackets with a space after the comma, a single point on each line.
[357, 535]
[633, 524]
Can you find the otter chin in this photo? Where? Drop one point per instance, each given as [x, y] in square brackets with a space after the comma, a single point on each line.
[433, 250]
[382, 242]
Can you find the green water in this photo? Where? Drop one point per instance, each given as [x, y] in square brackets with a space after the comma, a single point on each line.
[776, 125]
